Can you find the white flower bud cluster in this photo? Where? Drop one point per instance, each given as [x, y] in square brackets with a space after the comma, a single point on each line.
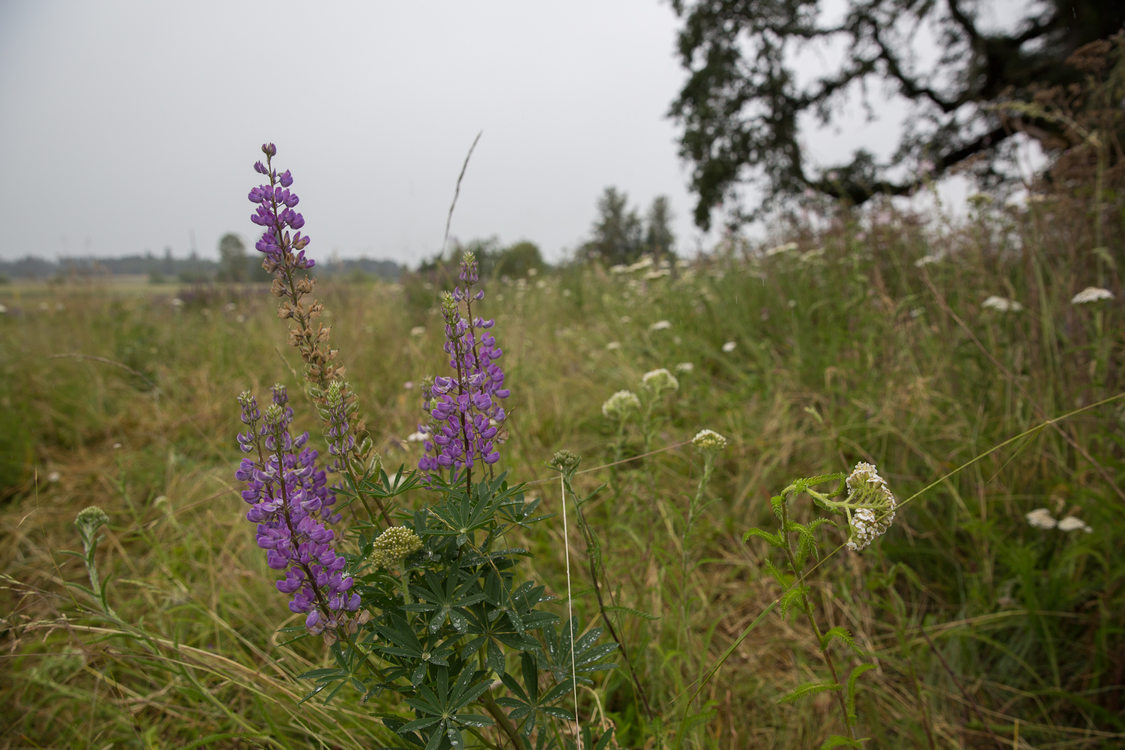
[621, 404]
[708, 441]
[393, 545]
[659, 381]
[876, 503]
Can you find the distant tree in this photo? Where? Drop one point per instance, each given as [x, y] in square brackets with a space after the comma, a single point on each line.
[659, 239]
[232, 259]
[617, 234]
[745, 104]
[516, 260]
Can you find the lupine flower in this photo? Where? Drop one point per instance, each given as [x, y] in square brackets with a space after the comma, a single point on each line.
[276, 216]
[1002, 304]
[870, 505]
[292, 504]
[621, 404]
[466, 406]
[1091, 294]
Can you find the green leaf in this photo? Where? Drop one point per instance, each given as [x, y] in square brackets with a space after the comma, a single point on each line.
[772, 539]
[837, 632]
[851, 688]
[808, 688]
[839, 741]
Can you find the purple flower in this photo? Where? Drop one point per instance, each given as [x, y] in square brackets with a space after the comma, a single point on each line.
[465, 408]
[291, 502]
[275, 214]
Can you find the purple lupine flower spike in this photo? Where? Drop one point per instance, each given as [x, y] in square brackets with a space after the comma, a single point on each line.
[292, 504]
[465, 408]
[276, 216]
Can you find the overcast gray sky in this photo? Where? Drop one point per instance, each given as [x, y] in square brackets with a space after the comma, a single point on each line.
[131, 126]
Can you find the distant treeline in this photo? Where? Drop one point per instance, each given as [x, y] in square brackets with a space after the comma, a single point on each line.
[189, 270]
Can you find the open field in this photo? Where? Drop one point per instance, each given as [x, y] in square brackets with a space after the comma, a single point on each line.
[857, 344]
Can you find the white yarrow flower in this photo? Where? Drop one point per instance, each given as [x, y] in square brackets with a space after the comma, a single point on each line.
[660, 325]
[1091, 294]
[613, 346]
[1041, 518]
[871, 506]
[685, 367]
[621, 404]
[659, 381]
[926, 260]
[729, 347]
[1002, 304]
[709, 440]
[1072, 523]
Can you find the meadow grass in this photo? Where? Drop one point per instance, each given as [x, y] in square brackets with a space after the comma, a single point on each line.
[983, 629]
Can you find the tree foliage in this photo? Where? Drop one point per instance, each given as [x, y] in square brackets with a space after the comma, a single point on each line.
[619, 236]
[746, 101]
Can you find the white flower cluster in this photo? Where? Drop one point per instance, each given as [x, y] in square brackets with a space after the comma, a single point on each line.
[659, 381]
[621, 404]
[1041, 518]
[709, 440]
[1091, 294]
[1002, 304]
[660, 325]
[394, 544]
[876, 503]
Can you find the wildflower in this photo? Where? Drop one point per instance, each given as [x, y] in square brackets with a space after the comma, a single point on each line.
[788, 247]
[466, 408]
[926, 260]
[659, 381]
[394, 545]
[870, 506]
[54, 477]
[621, 404]
[418, 331]
[645, 261]
[418, 436]
[1072, 523]
[658, 273]
[1002, 304]
[1041, 518]
[291, 503]
[613, 346]
[89, 520]
[685, 367]
[1091, 294]
[660, 325]
[709, 441]
[729, 347]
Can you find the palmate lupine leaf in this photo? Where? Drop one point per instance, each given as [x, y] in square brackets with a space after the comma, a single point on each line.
[440, 706]
[588, 655]
[445, 599]
[527, 704]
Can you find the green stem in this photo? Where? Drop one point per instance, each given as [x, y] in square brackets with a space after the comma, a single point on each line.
[502, 720]
[807, 607]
